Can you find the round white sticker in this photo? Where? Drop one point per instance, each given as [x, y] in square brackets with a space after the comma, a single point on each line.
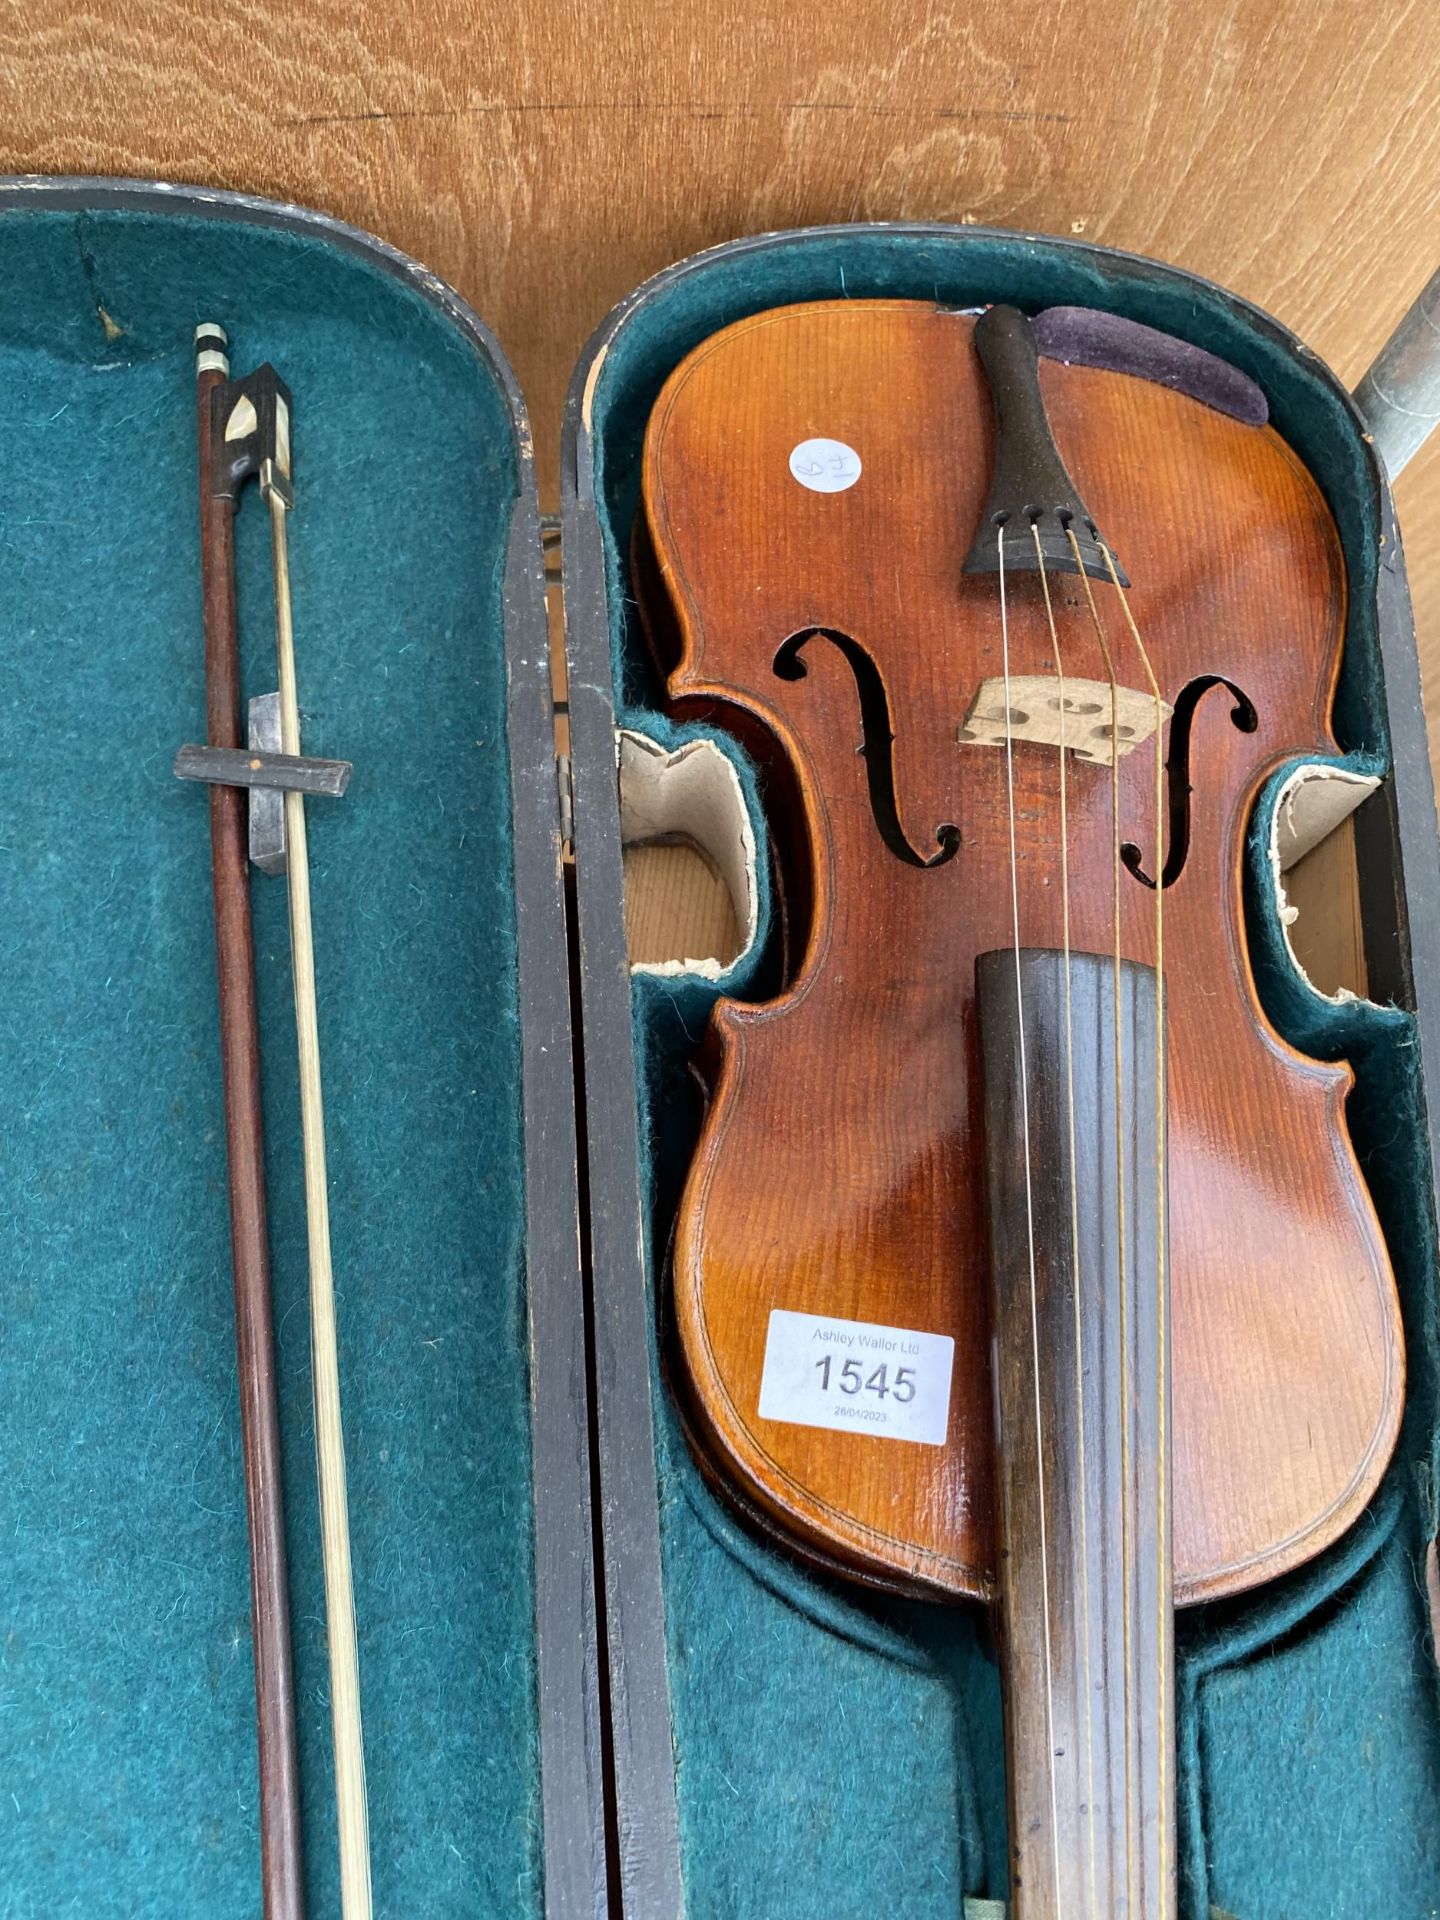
[825, 466]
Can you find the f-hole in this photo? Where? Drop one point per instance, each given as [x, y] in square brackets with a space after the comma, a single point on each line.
[1177, 773]
[876, 737]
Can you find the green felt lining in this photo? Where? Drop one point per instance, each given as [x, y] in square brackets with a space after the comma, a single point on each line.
[838, 1753]
[127, 1755]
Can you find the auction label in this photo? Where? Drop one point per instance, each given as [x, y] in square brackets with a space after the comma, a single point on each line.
[888, 1381]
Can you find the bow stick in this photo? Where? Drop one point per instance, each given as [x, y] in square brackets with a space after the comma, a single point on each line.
[281, 1855]
[245, 433]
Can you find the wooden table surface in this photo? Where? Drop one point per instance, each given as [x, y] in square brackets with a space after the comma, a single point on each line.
[546, 158]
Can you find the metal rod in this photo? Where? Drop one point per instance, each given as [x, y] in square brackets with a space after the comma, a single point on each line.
[282, 1862]
[352, 1814]
[1399, 397]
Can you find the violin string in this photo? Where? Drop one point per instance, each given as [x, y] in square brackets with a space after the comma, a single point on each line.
[1029, 1229]
[1074, 1211]
[1162, 1529]
[1126, 1529]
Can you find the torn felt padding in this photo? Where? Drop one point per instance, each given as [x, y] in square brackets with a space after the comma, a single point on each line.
[1313, 802]
[691, 792]
[1310, 803]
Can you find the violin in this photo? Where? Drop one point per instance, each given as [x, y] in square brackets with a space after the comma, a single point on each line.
[1020, 1259]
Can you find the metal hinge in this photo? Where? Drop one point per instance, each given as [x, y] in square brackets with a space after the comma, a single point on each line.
[550, 545]
[565, 785]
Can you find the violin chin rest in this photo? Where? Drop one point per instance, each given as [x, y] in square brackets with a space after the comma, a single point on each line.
[1086, 337]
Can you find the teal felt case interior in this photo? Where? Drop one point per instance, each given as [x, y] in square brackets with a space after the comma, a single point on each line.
[838, 1753]
[127, 1746]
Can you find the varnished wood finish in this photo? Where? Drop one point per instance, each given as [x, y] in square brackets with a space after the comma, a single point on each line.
[841, 1168]
[474, 139]
[282, 1864]
[1082, 1424]
[545, 163]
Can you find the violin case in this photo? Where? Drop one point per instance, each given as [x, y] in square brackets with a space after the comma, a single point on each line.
[588, 1688]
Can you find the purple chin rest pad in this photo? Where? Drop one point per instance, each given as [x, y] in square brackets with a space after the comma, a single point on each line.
[1084, 337]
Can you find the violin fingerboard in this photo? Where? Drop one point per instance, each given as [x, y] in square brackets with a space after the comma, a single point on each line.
[1072, 1059]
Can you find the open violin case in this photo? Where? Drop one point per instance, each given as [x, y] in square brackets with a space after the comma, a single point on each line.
[588, 1687]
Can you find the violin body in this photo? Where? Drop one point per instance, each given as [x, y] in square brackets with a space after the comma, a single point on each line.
[841, 1167]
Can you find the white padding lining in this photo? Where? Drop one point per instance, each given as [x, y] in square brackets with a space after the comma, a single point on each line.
[1311, 805]
[691, 793]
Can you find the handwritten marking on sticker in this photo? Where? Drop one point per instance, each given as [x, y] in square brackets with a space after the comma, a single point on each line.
[825, 466]
[890, 1382]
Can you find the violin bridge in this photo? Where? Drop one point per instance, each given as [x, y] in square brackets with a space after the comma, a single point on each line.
[1086, 725]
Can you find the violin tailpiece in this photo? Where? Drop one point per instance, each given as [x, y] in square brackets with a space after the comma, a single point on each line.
[1034, 512]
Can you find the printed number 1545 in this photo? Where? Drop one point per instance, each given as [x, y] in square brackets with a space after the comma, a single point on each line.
[850, 1379]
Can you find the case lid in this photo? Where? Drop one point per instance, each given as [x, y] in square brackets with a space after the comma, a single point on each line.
[422, 652]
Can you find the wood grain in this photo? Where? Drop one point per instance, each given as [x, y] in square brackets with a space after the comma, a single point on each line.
[839, 1170]
[547, 159]
[674, 894]
[1324, 890]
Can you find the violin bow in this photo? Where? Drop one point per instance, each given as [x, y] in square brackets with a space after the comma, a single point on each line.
[244, 434]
